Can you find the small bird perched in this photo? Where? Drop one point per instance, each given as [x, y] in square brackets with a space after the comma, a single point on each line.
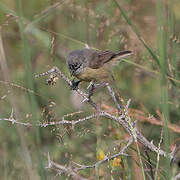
[93, 65]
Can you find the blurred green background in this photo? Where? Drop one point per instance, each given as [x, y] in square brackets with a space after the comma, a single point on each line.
[37, 35]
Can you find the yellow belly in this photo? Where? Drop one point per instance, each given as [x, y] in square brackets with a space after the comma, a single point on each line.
[97, 75]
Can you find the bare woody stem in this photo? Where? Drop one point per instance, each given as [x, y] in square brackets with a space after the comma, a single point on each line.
[122, 119]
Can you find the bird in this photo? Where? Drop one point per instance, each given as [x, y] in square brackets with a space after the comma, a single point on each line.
[92, 65]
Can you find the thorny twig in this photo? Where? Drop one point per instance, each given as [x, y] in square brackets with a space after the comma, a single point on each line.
[122, 118]
[59, 73]
[14, 121]
[62, 169]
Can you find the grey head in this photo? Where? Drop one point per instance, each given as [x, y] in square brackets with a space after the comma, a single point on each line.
[78, 60]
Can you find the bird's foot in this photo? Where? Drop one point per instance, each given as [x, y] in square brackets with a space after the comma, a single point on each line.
[92, 87]
[75, 84]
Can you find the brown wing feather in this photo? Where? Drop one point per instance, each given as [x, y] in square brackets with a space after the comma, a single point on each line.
[99, 58]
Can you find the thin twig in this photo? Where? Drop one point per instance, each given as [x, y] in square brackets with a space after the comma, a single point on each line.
[13, 121]
[68, 170]
[111, 92]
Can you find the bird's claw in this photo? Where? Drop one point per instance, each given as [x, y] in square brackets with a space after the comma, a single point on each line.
[74, 84]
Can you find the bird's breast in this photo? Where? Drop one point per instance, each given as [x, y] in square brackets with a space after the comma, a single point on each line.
[97, 75]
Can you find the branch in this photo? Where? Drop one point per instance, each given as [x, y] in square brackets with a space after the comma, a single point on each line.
[123, 119]
[65, 78]
[14, 121]
[62, 169]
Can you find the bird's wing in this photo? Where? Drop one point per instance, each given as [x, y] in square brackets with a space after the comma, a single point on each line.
[99, 58]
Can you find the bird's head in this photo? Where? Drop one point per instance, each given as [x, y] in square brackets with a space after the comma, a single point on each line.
[75, 62]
